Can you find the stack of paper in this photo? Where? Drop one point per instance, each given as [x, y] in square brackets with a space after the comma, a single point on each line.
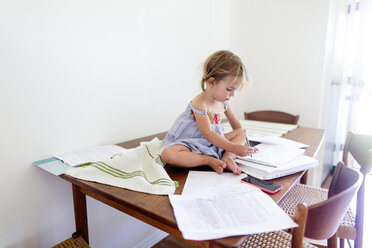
[59, 164]
[90, 154]
[276, 157]
[215, 206]
[264, 172]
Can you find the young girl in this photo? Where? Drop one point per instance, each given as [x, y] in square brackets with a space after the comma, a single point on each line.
[197, 136]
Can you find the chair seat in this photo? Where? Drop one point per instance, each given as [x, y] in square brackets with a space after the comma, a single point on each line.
[309, 195]
[272, 239]
[347, 227]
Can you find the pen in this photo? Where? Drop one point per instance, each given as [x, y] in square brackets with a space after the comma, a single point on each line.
[246, 139]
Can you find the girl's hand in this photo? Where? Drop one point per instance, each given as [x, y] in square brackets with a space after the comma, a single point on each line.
[253, 150]
[244, 150]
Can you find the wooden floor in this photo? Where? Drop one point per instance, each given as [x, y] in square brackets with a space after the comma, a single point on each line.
[172, 242]
[327, 182]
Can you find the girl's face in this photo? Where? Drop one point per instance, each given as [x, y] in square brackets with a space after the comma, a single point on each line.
[223, 89]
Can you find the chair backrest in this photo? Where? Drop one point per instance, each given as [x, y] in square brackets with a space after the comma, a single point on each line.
[272, 116]
[359, 146]
[324, 218]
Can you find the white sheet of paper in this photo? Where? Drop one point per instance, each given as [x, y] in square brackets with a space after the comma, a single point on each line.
[227, 211]
[90, 154]
[201, 182]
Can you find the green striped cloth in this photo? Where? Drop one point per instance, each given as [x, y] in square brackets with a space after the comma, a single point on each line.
[139, 169]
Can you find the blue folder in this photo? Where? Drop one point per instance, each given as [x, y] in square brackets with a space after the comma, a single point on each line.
[53, 165]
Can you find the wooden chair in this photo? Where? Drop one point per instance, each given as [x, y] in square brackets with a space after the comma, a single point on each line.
[351, 227]
[272, 116]
[360, 147]
[318, 221]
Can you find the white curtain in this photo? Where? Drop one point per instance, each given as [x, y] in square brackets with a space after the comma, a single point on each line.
[351, 98]
[361, 95]
[351, 72]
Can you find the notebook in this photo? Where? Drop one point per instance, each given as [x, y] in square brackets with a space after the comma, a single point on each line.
[300, 163]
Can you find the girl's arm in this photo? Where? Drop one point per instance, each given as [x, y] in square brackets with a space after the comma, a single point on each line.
[235, 124]
[204, 125]
[231, 117]
[205, 128]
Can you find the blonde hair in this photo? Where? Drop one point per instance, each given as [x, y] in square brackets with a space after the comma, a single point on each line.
[223, 63]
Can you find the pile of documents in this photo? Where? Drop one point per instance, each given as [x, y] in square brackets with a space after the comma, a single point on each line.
[276, 157]
[218, 205]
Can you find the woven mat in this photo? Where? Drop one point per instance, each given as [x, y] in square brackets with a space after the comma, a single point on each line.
[78, 242]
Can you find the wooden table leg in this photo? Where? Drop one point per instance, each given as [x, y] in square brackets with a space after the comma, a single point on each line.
[80, 209]
[303, 179]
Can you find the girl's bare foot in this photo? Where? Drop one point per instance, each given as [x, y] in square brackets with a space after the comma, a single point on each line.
[229, 158]
[217, 165]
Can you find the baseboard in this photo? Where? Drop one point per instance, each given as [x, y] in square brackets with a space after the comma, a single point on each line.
[151, 240]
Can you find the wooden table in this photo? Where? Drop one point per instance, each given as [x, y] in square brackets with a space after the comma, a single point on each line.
[156, 210]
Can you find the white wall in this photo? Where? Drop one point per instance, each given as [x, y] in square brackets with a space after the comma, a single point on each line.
[81, 73]
[282, 44]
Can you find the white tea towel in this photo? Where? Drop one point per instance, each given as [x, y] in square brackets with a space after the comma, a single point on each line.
[139, 169]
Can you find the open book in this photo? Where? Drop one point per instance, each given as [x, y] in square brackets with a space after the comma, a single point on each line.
[299, 163]
[274, 155]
